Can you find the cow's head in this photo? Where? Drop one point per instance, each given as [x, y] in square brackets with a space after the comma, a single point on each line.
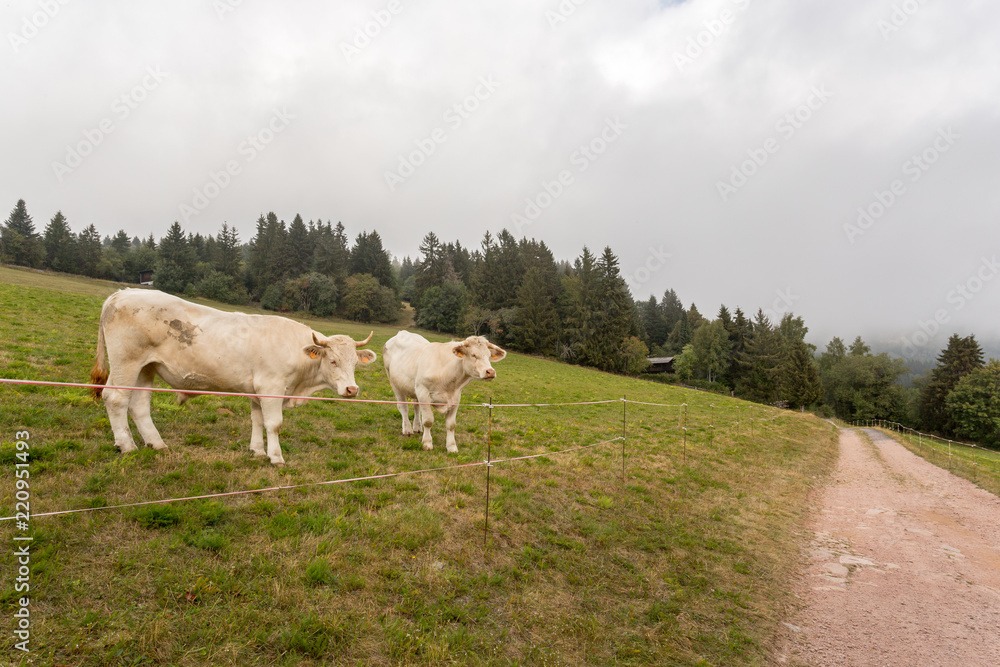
[337, 356]
[476, 354]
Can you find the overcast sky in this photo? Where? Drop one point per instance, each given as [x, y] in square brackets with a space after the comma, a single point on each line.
[726, 149]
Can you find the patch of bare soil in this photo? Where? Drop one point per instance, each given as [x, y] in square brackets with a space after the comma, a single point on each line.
[903, 568]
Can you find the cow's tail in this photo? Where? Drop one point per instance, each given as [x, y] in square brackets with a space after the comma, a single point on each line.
[99, 373]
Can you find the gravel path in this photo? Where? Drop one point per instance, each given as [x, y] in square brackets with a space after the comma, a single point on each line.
[903, 568]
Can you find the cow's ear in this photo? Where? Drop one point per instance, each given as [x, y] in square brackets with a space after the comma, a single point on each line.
[314, 351]
[497, 353]
[459, 351]
[366, 356]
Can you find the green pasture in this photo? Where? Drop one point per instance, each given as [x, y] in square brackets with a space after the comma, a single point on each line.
[684, 561]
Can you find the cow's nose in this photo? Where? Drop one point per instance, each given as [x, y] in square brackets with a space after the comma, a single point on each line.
[490, 374]
[351, 391]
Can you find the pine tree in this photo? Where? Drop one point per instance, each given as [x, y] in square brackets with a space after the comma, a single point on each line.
[89, 251]
[60, 245]
[368, 256]
[679, 336]
[711, 348]
[268, 254]
[431, 268]
[673, 312]
[300, 250]
[19, 242]
[331, 254]
[801, 384]
[761, 361]
[537, 322]
[227, 258]
[613, 318]
[958, 359]
[498, 273]
[175, 260]
[652, 323]
[859, 348]
[121, 243]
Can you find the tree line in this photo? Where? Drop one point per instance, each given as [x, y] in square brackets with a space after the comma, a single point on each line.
[519, 295]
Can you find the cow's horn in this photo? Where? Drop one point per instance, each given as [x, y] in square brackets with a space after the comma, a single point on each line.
[362, 343]
[317, 341]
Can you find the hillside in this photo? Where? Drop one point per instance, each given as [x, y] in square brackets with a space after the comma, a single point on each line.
[686, 562]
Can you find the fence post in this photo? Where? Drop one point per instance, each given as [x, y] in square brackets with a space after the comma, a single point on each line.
[949, 455]
[711, 424]
[624, 403]
[489, 464]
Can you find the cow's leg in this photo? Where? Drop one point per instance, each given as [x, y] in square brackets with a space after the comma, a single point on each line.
[451, 418]
[404, 410]
[138, 407]
[426, 418]
[256, 429]
[417, 424]
[271, 409]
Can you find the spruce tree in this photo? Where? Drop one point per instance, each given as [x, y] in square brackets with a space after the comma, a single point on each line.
[60, 245]
[19, 242]
[761, 362]
[89, 251]
[331, 254]
[801, 384]
[673, 312]
[227, 258]
[369, 257]
[613, 318]
[537, 323]
[958, 359]
[175, 260]
[300, 249]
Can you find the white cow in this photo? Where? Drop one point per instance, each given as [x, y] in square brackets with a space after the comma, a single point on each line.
[435, 373]
[145, 333]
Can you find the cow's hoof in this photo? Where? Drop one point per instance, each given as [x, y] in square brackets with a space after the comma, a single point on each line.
[280, 463]
[158, 445]
[452, 450]
[428, 446]
[258, 452]
[125, 449]
[407, 432]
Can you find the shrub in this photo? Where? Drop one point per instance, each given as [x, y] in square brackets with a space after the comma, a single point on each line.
[367, 301]
[220, 287]
[441, 307]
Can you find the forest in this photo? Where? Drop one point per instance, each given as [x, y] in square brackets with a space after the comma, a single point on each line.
[515, 292]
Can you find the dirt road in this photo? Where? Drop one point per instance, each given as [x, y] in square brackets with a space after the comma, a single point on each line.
[904, 565]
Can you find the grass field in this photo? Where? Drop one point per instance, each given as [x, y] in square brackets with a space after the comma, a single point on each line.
[685, 562]
[978, 465]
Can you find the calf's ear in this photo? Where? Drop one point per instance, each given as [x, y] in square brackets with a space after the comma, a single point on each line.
[496, 353]
[366, 356]
[459, 351]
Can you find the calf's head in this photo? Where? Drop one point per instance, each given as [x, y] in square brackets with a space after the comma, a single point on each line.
[337, 357]
[476, 354]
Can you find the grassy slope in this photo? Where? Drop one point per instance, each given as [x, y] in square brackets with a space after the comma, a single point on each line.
[976, 464]
[684, 564]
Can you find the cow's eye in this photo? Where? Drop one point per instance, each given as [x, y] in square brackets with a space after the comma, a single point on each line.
[334, 362]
